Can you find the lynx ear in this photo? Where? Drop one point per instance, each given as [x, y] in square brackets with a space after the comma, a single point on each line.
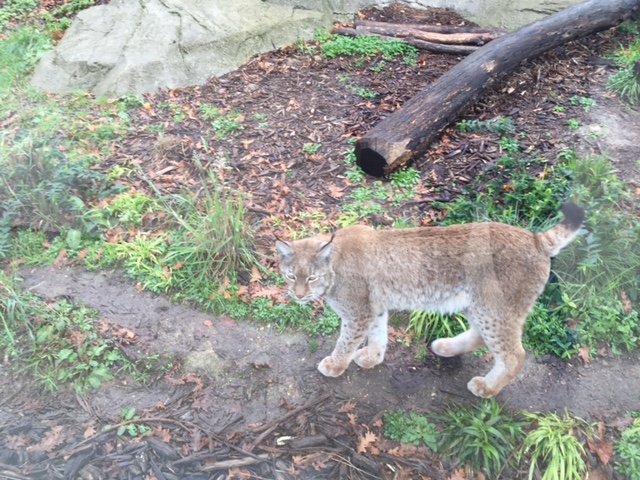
[284, 248]
[326, 248]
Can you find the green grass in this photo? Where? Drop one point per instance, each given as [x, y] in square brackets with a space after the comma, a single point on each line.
[429, 326]
[553, 447]
[482, 437]
[363, 46]
[58, 343]
[626, 80]
[628, 451]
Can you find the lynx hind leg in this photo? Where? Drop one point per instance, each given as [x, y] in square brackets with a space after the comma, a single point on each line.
[351, 336]
[506, 367]
[505, 342]
[465, 342]
[373, 353]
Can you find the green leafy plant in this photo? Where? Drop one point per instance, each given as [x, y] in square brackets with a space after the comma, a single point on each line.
[625, 81]
[45, 189]
[509, 145]
[433, 325]
[16, 11]
[311, 148]
[554, 448]
[499, 125]
[410, 428]
[133, 429]
[363, 92]
[585, 102]
[628, 450]
[363, 46]
[573, 124]
[483, 436]
[58, 342]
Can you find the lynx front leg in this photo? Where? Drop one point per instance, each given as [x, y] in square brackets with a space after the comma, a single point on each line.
[351, 336]
[377, 339]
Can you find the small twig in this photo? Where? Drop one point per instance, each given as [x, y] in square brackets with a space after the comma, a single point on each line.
[240, 462]
[293, 412]
[261, 211]
[10, 472]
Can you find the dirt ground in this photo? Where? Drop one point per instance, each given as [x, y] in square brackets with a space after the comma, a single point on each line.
[242, 387]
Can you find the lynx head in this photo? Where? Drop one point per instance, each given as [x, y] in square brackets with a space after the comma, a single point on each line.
[306, 267]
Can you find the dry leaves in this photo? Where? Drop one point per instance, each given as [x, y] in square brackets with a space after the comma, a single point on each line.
[583, 353]
[366, 442]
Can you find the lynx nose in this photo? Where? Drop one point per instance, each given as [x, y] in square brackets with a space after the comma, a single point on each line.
[300, 291]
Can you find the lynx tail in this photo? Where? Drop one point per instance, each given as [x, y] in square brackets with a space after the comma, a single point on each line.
[558, 237]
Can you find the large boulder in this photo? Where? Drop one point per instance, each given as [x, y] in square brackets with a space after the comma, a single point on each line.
[137, 46]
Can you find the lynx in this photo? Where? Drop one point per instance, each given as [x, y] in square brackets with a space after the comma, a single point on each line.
[491, 272]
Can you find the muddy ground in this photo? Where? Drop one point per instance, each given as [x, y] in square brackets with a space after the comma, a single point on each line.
[237, 382]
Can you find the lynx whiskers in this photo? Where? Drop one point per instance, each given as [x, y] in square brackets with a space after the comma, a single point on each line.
[491, 272]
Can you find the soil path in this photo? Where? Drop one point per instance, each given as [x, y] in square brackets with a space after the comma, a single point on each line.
[250, 368]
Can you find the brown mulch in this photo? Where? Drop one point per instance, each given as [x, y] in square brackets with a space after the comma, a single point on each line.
[289, 97]
[285, 99]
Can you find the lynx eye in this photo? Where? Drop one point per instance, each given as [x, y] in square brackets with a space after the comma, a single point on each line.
[312, 278]
[291, 276]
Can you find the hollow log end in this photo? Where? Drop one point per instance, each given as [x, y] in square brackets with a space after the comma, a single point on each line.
[370, 161]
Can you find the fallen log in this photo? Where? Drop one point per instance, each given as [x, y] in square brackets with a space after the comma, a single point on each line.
[422, 45]
[433, 28]
[408, 132]
[399, 30]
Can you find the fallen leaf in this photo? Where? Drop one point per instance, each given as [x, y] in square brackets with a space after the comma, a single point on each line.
[255, 273]
[352, 418]
[208, 323]
[626, 304]
[51, 439]
[366, 441]
[603, 449]
[89, 432]
[335, 191]
[61, 259]
[457, 475]
[347, 407]
[583, 353]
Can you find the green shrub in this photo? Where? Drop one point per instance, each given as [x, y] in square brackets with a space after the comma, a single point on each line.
[554, 448]
[483, 437]
[410, 428]
[628, 450]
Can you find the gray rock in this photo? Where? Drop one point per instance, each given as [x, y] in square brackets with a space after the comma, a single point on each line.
[205, 363]
[138, 46]
[132, 47]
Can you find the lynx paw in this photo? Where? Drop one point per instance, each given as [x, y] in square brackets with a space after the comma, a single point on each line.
[479, 388]
[329, 368]
[443, 347]
[368, 357]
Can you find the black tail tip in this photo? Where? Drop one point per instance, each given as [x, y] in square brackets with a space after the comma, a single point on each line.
[573, 215]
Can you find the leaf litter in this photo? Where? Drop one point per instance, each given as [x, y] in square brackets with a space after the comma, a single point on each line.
[284, 100]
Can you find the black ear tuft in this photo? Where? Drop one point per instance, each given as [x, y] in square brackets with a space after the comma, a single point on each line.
[326, 244]
[573, 215]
